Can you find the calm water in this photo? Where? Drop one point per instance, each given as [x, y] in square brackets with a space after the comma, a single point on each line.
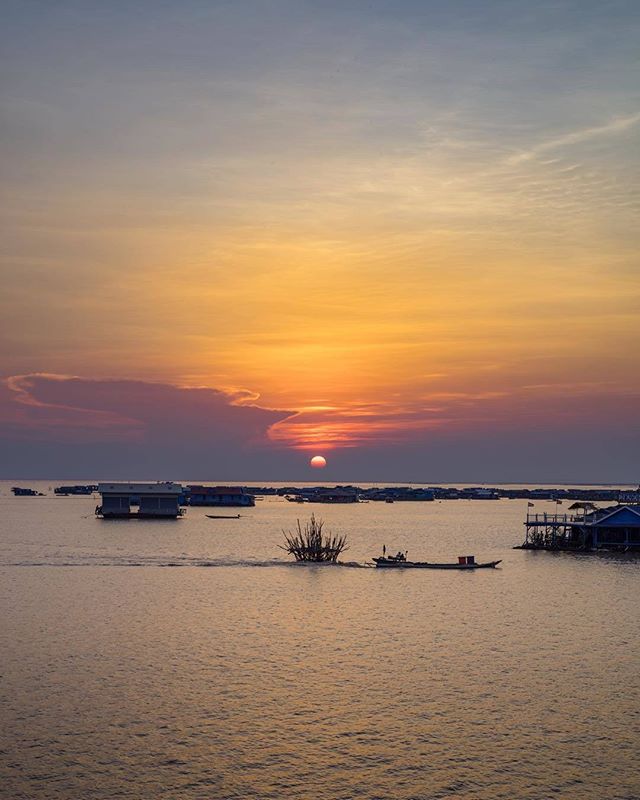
[232, 674]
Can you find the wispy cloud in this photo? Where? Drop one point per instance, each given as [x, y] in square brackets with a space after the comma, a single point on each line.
[614, 126]
[544, 406]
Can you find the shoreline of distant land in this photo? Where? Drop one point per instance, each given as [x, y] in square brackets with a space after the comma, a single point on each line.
[632, 484]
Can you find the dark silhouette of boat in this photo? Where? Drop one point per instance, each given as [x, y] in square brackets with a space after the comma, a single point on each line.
[223, 516]
[399, 561]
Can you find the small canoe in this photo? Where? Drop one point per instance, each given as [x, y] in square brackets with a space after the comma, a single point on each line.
[223, 516]
[393, 563]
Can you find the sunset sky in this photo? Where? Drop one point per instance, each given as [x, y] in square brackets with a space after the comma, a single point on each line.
[403, 235]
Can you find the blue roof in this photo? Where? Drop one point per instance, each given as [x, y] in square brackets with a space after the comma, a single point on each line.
[625, 516]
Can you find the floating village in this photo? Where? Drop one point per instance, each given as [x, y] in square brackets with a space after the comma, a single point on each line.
[584, 526]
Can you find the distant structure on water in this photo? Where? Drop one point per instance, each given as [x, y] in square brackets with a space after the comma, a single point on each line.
[611, 528]
[84, 489]
[352, 494]
[429, 493]
[399, 493]
[632, 496]
[225, 496]
[160, 500]
[21, 491]
[340, 494]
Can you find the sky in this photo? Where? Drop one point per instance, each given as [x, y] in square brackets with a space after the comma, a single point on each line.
[402, 235]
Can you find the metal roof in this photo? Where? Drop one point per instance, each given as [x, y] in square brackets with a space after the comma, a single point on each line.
[161, 487]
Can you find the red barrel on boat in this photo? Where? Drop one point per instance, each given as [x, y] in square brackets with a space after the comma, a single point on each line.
[462, 559]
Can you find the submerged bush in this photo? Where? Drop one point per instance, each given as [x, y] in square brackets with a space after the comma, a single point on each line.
[311, 544]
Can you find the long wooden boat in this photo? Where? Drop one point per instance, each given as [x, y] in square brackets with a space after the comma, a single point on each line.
[393, 562]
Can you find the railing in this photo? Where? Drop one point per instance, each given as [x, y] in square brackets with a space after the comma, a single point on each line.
[553, 519]
[545, 518]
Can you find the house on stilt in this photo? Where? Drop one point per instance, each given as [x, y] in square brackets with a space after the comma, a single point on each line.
[611, 528]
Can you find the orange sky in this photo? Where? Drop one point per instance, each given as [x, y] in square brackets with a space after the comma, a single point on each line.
[344, 229]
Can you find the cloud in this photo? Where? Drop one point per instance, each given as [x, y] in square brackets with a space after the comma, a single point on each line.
[63, 427]
[572, 406]
[614, 126]
[30, 410]
[115, 425]
[58, 407]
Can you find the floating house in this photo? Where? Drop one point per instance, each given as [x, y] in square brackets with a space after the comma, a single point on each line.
[400, 493]
[227, 496]
[160, 500]
[459, 493]
[612, 528]
[76, 489]
[340, 494]
[479, 493]
[630, 496]
[20, 491]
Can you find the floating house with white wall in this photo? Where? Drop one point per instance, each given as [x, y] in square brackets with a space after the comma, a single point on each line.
[161, 500]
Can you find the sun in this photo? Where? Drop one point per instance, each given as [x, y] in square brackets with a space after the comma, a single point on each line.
[318, 462]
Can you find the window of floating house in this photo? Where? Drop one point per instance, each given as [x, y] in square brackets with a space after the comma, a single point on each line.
[155, 503]
[119, 503]
[148, 504]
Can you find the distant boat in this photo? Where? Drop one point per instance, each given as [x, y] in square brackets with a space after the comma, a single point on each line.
[223, 516]
[399, 561]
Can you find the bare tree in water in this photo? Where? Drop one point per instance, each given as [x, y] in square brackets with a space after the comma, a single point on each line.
[311, 544]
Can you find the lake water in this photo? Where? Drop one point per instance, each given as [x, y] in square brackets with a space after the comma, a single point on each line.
[234, 674]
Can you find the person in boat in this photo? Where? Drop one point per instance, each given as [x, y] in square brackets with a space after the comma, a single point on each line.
[400, 556]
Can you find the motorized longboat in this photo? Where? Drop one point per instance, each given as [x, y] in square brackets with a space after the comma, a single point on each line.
[399, 561]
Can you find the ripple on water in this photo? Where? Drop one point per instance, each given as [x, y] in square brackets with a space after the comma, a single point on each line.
[261, 678]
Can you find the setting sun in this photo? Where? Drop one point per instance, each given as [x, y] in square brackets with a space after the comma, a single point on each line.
[318, 462]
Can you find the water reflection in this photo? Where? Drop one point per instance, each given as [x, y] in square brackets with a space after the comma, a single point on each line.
[258, 680]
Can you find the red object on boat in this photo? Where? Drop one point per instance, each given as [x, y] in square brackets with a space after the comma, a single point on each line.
[462, 559]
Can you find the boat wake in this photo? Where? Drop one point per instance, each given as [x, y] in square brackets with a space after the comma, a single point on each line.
[163, 561]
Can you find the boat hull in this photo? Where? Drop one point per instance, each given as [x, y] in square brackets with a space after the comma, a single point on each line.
[383, 563]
